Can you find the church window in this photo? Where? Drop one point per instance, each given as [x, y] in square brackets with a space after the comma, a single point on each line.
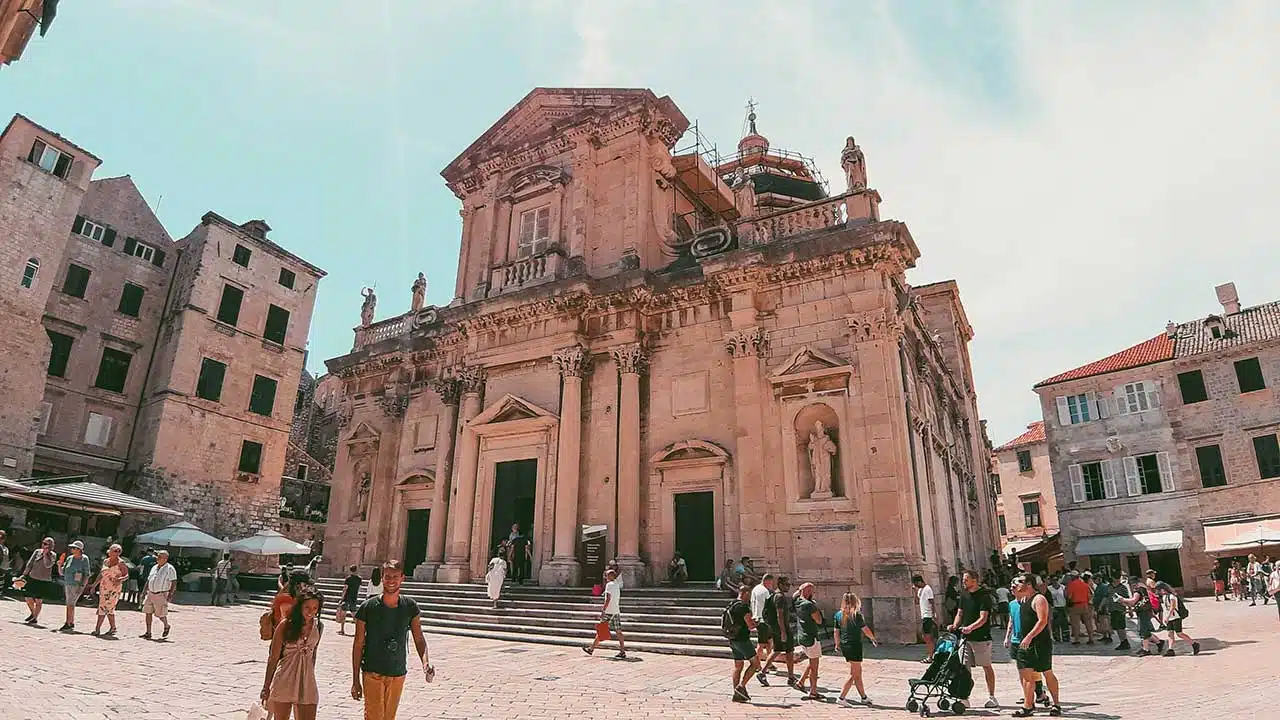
[535, 231]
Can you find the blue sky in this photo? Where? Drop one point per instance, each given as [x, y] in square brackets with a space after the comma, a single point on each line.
[1086, 171]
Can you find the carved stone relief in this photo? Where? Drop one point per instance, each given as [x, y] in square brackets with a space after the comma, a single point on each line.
[747, 342]
[631, 359]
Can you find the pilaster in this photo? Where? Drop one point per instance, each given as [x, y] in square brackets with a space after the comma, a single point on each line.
[457, 567]
[633, 361]
[564, 569]
[450, 392]
[748, 346]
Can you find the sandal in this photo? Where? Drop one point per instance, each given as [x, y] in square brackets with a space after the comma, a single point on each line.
[1024, 712]
[1055, 709]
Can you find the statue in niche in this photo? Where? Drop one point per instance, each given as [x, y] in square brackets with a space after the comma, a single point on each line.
[367, 307]
[821, 450]
[419, 292]
[362, 497]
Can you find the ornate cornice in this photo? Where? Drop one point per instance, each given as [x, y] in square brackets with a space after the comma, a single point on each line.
[632, 359]
[877, 324]
[752, 341]
[882, 254]
[573, 361]
[529, 312]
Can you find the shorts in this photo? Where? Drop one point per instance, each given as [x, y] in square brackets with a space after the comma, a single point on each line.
[977, 654]
[1002, 608]
[1117, 621]
[37, 589]
[156, 604]
[1145, 627]
[1219, 587]
[615, 622]
[852, 653]
[742, 649]
[784, 643]
[814, 651]
[72, 593]
[764, 633]
[1036, 659]
[1174, 625]
[928, 627]
[350, 605]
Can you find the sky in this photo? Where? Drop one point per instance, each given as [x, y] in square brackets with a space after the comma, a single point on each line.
[1086, 171]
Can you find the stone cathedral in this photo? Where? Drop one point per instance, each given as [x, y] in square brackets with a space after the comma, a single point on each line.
[672, 348]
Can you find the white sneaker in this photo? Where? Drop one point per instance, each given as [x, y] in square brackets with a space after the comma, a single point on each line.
[992, 703]
[866, 700]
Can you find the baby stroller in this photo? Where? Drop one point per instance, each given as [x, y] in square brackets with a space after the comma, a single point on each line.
[947, 679]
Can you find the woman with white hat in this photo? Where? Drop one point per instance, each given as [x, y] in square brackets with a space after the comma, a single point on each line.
[75, 576]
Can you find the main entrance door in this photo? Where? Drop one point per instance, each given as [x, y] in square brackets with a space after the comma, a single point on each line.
[415, 539]
[695, 533]
[514, 485]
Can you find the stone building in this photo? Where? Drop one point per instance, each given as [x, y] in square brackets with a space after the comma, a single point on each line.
[19, 21]
[703, 353]
[1165, 450]
[147, 365]
[1026, 508]
[308, 464]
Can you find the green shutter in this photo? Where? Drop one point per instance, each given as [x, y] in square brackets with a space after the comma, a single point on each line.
[129, 244]
[78, 225]
[109, 237]
[158, 258]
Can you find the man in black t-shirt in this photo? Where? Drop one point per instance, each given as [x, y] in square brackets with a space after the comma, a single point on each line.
[741, 624]
[350, 597]
[973, 620]
[378, 666]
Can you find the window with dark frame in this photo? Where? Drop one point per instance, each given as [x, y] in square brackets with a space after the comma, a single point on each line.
[51, 160]
[1267, 451]
[250, 457]
[241, 255]
[1031, 510]
[262, 399]
[229, 306]
[113, 370]
[1091, 473]
[209, 384]
[77, 281]
[1024, 461]
[1213, 472]
[29, 273]
[1191, 383]
[59, 354]
[287, 277]
[1249, 375]
[302, 472]
[1004, 530]
[995, 484]
[1149, 474]
[277, 326]
[131, 300]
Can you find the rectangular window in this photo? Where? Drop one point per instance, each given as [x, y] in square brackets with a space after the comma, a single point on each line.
[241, 255]
[1267, 451]
[1091, 476]
[1191, 383]
[302, 472]
[77, 281]
[1137, 397]
[91, 230]
[995, 484]
[146, 252]
[1078, 409]
[50, 160]
[97, 431]
[262, 400]
[250, 457]
[287, 277]
[113, 370]
[1149, 474]
[1213, 473]
[29, 273]
[1024, 461]
[1004, 529]
[1249, 375]
[1031, 509]
[59, 354]
[1093, 481]
[535, 231]
[131, 300]
[277, 325]
[229, 306]
[209, 385]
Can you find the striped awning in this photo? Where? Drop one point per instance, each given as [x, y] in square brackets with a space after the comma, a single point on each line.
[7, 484]
[85, 496]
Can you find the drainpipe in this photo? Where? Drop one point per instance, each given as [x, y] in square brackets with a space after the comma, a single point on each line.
[155, 345]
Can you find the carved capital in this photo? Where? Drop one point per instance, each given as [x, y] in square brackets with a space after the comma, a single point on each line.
[632, 359]
[471, 378]
[877, 324]
[573, 361]
[747, 342]
[448, 388]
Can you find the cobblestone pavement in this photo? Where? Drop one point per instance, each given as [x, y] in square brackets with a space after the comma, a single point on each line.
[212, 666]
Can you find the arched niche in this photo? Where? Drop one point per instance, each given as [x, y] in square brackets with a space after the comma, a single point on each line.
[816, 429]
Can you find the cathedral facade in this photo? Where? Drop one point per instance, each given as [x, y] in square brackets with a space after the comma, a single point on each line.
[672, 350]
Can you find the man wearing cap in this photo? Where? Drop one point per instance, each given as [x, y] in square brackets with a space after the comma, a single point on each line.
[75, 576]
[161, 584]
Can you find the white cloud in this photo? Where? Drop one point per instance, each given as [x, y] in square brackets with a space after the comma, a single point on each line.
[1135, 171]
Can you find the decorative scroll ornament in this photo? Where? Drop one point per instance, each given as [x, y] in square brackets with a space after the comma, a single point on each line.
[573, 361]
[712, 241]
[747, 342]
[632, 359]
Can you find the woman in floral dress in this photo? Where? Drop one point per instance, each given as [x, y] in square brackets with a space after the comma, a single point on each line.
[290, 686]
[110, 584]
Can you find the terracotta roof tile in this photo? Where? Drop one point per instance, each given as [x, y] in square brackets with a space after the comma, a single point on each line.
[1034, 434]
[1250, 325]
[1154, 350]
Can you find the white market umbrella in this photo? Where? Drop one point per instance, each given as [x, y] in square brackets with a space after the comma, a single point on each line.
[1260, 535]
[269, 542]
[181, 535]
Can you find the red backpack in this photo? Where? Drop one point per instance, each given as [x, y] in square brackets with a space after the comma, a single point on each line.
[1153, 600]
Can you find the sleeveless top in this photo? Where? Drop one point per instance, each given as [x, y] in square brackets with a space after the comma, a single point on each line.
[1027, 621]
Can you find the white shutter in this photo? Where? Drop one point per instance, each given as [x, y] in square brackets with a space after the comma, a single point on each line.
[1104, 406]
[1131, 480]
[1077, 483]
[1109, 479]
[1091, 405]
[1122, 403]
[98, 430]
[1166, 471]
[46, 412]
[1153, 394]
[1064, 415]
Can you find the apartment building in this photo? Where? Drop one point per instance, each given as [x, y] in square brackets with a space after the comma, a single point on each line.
[1022, 479]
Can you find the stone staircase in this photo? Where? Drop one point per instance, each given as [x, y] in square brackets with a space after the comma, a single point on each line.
[683, 621]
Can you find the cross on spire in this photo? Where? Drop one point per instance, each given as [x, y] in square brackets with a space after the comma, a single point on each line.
[751, 114]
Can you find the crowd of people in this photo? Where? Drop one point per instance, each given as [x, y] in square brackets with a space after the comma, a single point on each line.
[1256, 578]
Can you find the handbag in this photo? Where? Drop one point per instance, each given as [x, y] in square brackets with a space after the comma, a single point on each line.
[266, 626]
[258, 712]
[602, 630]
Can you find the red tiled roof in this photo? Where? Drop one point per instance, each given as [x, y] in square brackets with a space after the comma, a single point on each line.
[1034, 434]
[1154, 350]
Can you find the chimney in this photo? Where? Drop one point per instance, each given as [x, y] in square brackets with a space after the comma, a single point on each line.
[257, 228]
[1228, 297]
[1171, 329]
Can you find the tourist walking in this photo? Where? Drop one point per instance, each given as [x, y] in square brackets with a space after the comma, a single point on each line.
[290, 686]
[764, 629]
[1061, 629]
[350, 598]
[110, 585]
[1273, 584]
[781, 614]
[1173, 613]
[5, 568]
[75, 578]
[38, 579]
[1034, 656]
[928, 615]
[162, 583]
[1013, 638]
[1003, 598]
[810, 619]
[1120, 596]
[1079, 605]
[1140, 601]
[378, 667]
[221, 579]
[495, 577]
[850, 629]
[737, 623]
[1219, 577]
[1101, 586]
[611, 614]
[375, 583]
[973, 620]
[145, 564]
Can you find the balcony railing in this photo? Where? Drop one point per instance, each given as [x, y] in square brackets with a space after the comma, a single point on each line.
[383, 330]
[817, 215]
[526, 272]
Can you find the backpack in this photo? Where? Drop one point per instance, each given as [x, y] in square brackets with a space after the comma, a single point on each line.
[1183, 612]
[728, 626]
[266, 628]
[1154, 601]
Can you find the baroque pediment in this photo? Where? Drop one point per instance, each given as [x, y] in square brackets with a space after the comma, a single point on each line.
[509, 409]
[363, 433]
[808, 362]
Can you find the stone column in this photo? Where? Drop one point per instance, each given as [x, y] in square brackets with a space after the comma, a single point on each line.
[756, 525]
[450, 392]
[632, 362]
[564, 568]
[457, 567]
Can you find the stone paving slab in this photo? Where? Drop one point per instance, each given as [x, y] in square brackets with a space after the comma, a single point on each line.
[212, 665]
